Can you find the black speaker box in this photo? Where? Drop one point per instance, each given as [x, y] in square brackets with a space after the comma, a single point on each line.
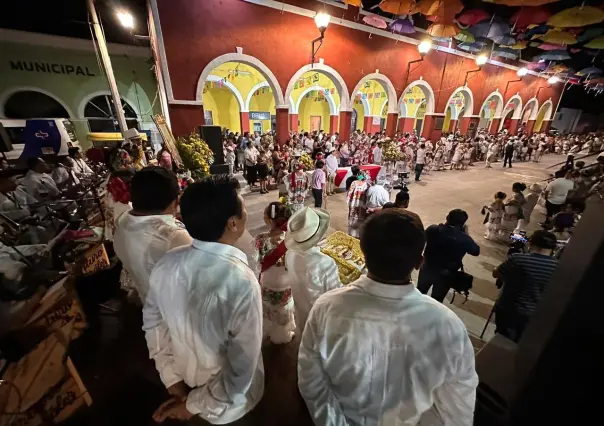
[219, 169]
[213, 137]
[5, 141]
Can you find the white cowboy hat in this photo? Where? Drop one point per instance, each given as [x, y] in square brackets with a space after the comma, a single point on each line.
[536, 188]
[131, 134]
[306, 228]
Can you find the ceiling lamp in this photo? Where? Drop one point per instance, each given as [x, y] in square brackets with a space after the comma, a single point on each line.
[553, 80]
[481, 60]
[424, 47]
[522, 72]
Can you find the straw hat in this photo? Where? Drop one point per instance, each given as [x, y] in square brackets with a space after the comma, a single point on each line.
[131, 134]
[306, 228]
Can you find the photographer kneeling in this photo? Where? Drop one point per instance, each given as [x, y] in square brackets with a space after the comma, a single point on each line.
[524, 276]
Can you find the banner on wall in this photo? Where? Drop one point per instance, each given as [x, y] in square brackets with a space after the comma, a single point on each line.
[375, 121]
[260, 115]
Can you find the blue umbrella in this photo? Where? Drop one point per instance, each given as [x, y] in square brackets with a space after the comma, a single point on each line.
[539, 29]
[402, 26]
[504, 52]
[589, 71]
[590, 33]
[490, 30]
[553, 55]
[505, 40]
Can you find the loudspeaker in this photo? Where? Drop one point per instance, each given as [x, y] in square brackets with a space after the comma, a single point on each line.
[213, 137]
[5, 141]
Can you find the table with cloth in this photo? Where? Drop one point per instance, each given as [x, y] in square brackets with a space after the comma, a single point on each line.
[344, 172]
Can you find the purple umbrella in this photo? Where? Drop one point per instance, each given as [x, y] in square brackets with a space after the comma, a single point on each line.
[553, 55]
[402, 26]
[490, 30]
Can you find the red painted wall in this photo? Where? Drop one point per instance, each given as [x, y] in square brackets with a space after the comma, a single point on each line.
[196, 32]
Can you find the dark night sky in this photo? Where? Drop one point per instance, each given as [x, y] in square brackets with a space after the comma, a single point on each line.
[70, 18]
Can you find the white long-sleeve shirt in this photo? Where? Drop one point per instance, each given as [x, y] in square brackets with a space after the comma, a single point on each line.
[140, 241]
[40, 185]
[203, 324]
[377, 196]
[312, 274]
[377, 354]
[331, 163]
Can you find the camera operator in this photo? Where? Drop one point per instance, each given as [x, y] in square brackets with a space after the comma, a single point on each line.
[524, 276]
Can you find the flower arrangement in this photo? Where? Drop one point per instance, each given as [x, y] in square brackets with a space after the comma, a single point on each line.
[196, 155]
[390, 151]
[306, 161]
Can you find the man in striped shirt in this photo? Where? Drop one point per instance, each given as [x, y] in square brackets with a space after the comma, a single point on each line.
[525, 276]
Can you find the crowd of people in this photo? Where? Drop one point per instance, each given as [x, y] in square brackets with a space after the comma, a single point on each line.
[211, 294]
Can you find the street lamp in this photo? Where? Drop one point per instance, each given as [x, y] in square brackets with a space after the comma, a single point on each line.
[520, 73]
[322, 21]
[423, 48]
[126, 19]
[480, 61]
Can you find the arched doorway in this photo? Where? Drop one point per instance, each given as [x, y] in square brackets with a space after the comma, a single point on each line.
[32, 103]
[360, 110]
[512, 111]
[544, 114]
[530, 111]
[416, 101]
[491, 109]
[330, 80]
[378, 96]
[236, 91]
[460, 104]
[101, 116]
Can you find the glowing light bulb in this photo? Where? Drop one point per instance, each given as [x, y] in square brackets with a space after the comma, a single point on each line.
[553, 79]
[322, 20]
[481, 60]
[424, 47]
[522, 72]
[126, 19]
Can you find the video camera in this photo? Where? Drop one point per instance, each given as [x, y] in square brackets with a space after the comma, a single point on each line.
[518, 242]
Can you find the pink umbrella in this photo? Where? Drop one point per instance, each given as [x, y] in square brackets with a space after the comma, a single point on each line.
[472, 17]
[374, 21]
[537, 66]
[550, 46]
[530, 15]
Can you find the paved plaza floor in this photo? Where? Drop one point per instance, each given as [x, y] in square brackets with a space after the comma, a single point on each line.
[432, 199]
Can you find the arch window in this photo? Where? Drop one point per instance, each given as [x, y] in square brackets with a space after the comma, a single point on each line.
[32, 104]
[101, 115]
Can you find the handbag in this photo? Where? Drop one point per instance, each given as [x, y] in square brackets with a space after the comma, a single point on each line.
[461, 282]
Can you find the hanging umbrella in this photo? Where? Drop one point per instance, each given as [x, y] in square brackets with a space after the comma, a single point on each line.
[465, 36]
[580, 16]
[537, 29]
[589, 71]
[439, 10]
[374, 21]
[549, 46]
[554, 55]
[402, 26]
[397, 7]
[357, 3]
[504, 40]
[504, 52]
[521, 2]
[558, 68]
[490, 30]
[519, 45]
[472, 17]
[471, 47]
[590, 33]
[537, 66]
[529, 15]
[558, 37]
[442, 31]
[596, 43]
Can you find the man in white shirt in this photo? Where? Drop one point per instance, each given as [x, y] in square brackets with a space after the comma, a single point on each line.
[378, 351]
[145, 233]
[311, 272]
[377, 195]
[331, 167]
[308, 144]
[38, 182]
[377, 154]
[420, 161]
[80, 168]
[556, 192]
[203, 314]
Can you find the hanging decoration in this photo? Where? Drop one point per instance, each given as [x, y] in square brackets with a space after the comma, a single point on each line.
[465, 36]
[397, 7]
[402, 26]
[580, 16]
[589, 34]
[558, 37]
[529, 15]
[546, 46]
[439, 11]
[596, 43]
[521, 2]
[471, 47]
[589, 71]
[357, 3]
[503, 52]
[375, 21]
[519, 45]
[554, 55]
[442, 31]
[537, 66]
[495, 30]
[472, 17]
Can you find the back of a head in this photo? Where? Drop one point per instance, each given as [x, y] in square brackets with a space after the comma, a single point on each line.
[355, 170]
[32, 162]
[402, 198]
[320, 164]
[207, 205]
[153, 190]
[457, 217]
[543, 240]
[393, 241]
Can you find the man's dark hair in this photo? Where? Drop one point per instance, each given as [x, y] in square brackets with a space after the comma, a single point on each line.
[32, 162]
[153, 189]
[207, 205]
[543, 239]
[73, 151]
[402, 197]
[320, 164]
[389, 205]
[393, 241]
[457, 217]
[355, 170]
